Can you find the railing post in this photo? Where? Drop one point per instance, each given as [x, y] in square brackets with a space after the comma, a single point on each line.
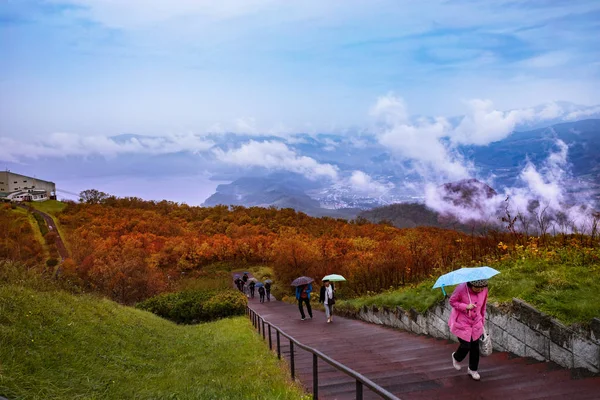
[270, 340]
[292, 359]
[259, 325]
[278, 346]
[359, 390]
[315, 377]
[263, 329]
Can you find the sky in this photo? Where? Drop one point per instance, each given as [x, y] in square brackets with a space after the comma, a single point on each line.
[75, 73]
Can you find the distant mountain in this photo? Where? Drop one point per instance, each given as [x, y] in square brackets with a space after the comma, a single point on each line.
[503, 160]
[277, 190]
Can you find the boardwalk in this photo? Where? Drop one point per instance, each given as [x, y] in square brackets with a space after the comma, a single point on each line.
[411, 366]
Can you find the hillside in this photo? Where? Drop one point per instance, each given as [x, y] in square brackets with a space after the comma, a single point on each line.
[60, 346]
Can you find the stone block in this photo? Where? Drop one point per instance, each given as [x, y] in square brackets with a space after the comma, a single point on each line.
[586, 351]
[561, 335]
[537, 342]
[498, 338]
[530, 316]
[595, 330]
[514, 345]
[529, 352]
[561, 356]
[497, 318]
[515, 328]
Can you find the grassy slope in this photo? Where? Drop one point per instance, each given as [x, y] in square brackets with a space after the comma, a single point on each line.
[52, 208]
[567, 292]
[35, 228]
[56, 346]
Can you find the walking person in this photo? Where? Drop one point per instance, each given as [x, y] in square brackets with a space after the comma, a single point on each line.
[251, 285]
[268, 289]
[468, 302]
[303, 296]
[326, 296]
[244, 281]
[261, 293]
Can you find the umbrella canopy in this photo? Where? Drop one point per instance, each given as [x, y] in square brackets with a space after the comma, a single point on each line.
[268, 281]
[303, 280]
[334, 278]
[236, 276]
[253, 280]
[259, 284]
[246, 272]
[464, 275]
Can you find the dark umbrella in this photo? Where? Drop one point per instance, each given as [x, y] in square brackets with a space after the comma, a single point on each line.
[303, 280]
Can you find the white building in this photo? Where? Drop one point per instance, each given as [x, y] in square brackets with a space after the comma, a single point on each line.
[17, 187]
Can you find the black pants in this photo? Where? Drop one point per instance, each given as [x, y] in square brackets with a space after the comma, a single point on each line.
[307, 301]
[252, 292]
[262, 297]
[268, 295]
[472, 348]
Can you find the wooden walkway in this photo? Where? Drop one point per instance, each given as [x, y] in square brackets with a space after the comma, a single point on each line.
[412, 366]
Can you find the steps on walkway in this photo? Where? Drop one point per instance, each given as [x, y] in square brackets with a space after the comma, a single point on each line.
[411, 366]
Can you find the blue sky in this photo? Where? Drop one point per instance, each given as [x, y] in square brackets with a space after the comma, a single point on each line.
[74, 73]
[156, 66]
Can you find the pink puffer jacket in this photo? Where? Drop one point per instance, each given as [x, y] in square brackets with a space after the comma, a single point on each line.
[467, 324]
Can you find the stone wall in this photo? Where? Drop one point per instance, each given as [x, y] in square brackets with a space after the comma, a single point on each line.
[517, 328]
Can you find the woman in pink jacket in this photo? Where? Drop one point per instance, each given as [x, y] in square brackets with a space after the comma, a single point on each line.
[466, 322]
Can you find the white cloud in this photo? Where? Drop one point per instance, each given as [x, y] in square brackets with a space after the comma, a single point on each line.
[583, 113]
[484, 125]
[363, 183]
[68, 144]
[276, 155]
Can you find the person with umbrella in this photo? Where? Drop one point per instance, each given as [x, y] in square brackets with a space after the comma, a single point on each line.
[303, 289]
[261, 291]
[268, 288]
[251, 286]
[467, 318]
[326, 297]
[468, 302]
[327, 294]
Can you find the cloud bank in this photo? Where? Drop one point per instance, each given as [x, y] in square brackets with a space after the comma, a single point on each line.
[276, 156]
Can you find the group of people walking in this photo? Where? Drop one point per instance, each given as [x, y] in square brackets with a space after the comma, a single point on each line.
[326, 296]
[468, 302]
[248, 285]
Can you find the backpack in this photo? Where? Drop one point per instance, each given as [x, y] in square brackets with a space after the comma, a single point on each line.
[303, 292]
[261, 290]
[268, 286]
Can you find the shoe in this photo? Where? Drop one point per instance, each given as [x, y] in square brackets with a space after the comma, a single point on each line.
[474, 375]
[328, 320]
[302, 318]
[455, 363]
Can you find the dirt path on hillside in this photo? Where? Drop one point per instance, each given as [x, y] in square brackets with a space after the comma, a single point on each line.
[60, 245]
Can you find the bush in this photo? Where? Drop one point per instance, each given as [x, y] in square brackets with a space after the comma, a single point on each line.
[195, 306]
[41, 223]
[226, 304]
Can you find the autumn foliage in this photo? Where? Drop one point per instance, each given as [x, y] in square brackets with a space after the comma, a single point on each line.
[17, 240]
[130, 249]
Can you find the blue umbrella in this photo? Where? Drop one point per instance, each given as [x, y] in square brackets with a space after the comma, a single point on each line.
[464, 275]
[259, 284]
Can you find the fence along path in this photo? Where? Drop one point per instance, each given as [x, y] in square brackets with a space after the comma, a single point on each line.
[411, 366]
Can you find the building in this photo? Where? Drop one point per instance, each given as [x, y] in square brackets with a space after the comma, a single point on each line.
[17, 187]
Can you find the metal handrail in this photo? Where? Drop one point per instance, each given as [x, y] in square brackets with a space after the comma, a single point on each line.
[259, 323]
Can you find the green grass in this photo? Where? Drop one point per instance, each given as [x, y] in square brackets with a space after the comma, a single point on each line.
[51, 207]
[35, 228]
[59, 346]
[566, 291]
